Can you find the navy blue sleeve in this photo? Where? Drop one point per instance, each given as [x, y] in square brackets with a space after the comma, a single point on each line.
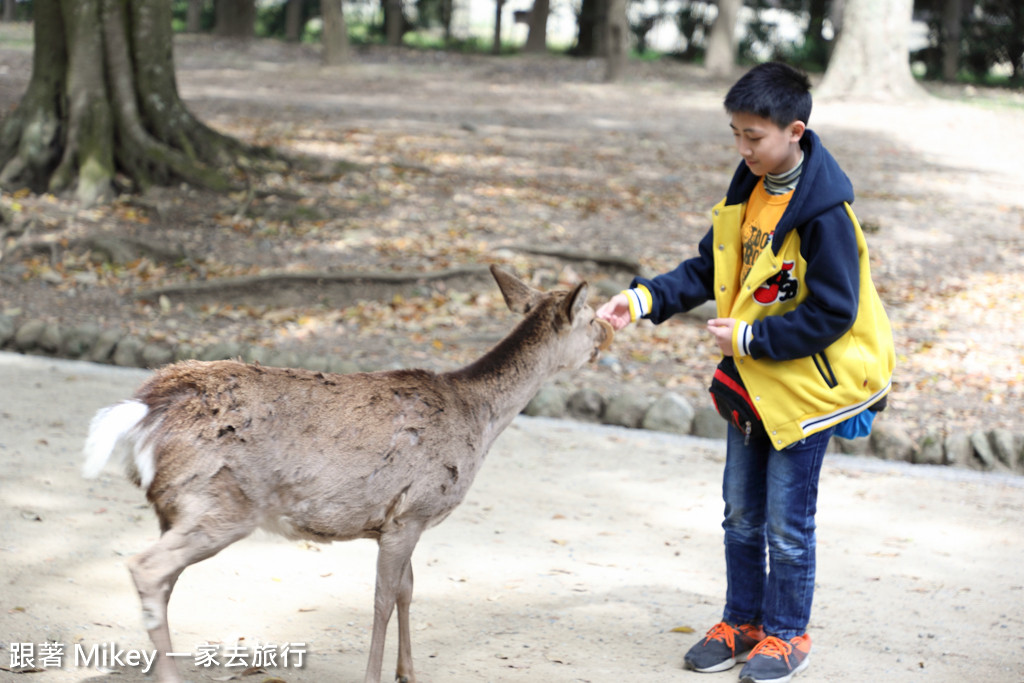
[829, 246]
[686, 287]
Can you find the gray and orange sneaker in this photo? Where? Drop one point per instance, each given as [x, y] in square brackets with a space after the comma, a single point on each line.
[722, 647]
[776, 661]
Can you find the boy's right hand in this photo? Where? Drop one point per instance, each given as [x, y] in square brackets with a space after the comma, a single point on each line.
[615, 312]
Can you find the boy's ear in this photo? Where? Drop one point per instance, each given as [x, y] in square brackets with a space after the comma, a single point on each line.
[796, 130]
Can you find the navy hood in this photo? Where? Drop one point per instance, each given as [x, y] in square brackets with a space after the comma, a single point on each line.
[821, 172]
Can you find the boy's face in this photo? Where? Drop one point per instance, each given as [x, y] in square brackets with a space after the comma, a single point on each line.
[763, 145]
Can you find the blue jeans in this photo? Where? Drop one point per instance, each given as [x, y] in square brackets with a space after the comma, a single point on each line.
[770, 500]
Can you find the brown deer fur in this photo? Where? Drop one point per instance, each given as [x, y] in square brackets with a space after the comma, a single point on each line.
[223, 448]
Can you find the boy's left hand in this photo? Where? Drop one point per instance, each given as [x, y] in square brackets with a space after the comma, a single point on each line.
[721, 329]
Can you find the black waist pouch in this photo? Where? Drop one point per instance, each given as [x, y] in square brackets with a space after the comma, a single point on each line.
[732, 400]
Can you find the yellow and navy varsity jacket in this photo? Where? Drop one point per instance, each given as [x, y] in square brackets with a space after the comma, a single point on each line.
[812, 343]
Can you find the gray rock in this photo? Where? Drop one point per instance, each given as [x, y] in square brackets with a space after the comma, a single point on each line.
[6, 329]
[316, 363]
[28, 334]
[586, 405]
[104, 346]
[128, 352]
[670, 413]
[156, 355]
[890, 441]
[344, 366]
[79, 340]
[626, 409]
[185, 352]
[983, 451]
[283, 359]
[256, 354]
[930, 449]
[1006, 446]
[707, 423]
[959, 451]
[221, 351]
[859, 446]
[550, 401]
[50, 340]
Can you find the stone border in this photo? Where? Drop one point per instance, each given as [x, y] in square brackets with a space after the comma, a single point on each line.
[996, 450]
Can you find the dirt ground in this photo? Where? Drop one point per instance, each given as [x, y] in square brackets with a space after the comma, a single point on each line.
[463, 160]
[576, 554]
[580, 548]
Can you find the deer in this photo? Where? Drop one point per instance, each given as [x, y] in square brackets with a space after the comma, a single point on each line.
[223, 448]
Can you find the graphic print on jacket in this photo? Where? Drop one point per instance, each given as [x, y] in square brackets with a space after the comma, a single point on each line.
[781, 287]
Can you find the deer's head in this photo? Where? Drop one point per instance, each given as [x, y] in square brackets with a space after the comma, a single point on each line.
[580, 335]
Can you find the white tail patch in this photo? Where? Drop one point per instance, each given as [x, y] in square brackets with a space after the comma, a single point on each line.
[114, 432]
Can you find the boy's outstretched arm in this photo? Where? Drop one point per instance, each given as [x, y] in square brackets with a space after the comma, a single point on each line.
[615, 312]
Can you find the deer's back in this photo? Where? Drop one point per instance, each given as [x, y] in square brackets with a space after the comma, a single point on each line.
[312, 454]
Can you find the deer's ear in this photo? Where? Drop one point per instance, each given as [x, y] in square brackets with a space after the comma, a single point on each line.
[519, 296]
[576, 301]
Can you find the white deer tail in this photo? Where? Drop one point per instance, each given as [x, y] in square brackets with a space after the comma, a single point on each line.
[114, 432]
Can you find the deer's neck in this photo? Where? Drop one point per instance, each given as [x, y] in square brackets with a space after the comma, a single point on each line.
[503, 380]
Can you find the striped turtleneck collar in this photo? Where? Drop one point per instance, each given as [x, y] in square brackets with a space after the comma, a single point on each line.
[784, 182]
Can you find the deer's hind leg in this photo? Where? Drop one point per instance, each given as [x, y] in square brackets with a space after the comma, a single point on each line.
[394, 586]
[404, 672]
[156, 569]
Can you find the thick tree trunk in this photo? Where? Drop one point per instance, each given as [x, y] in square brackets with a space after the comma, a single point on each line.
[235, 18]
[499, 6]
[720, 57]
[537, 37]
[335, 36]
[102, 103]
[293, 21]
[32, 137]
[9, 9]
[589, 21]
[194, 16]
[616, 41]
[819, 48]
[952, 15]
[871, 59]
[394, 22]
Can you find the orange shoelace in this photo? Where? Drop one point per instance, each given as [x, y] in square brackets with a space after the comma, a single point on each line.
[722, 631]
[773, 647]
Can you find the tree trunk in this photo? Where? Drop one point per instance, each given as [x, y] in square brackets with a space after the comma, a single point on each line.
[194, 16]
[588, 21]
[102, 103]
[818, 48]
[616, 43]
[335, 36]
[9, 9]
[394, 22]
[447, 9]
[950, 39]
[720, 57]
[871, 59]
[235, 18]
[293, 24]
[499, 5]
[537, 37]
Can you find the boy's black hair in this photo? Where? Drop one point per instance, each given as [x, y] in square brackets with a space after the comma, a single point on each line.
[774, 91]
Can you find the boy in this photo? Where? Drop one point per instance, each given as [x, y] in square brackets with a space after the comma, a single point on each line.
[807, 346]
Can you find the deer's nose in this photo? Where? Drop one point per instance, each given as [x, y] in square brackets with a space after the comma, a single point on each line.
[608, 333]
